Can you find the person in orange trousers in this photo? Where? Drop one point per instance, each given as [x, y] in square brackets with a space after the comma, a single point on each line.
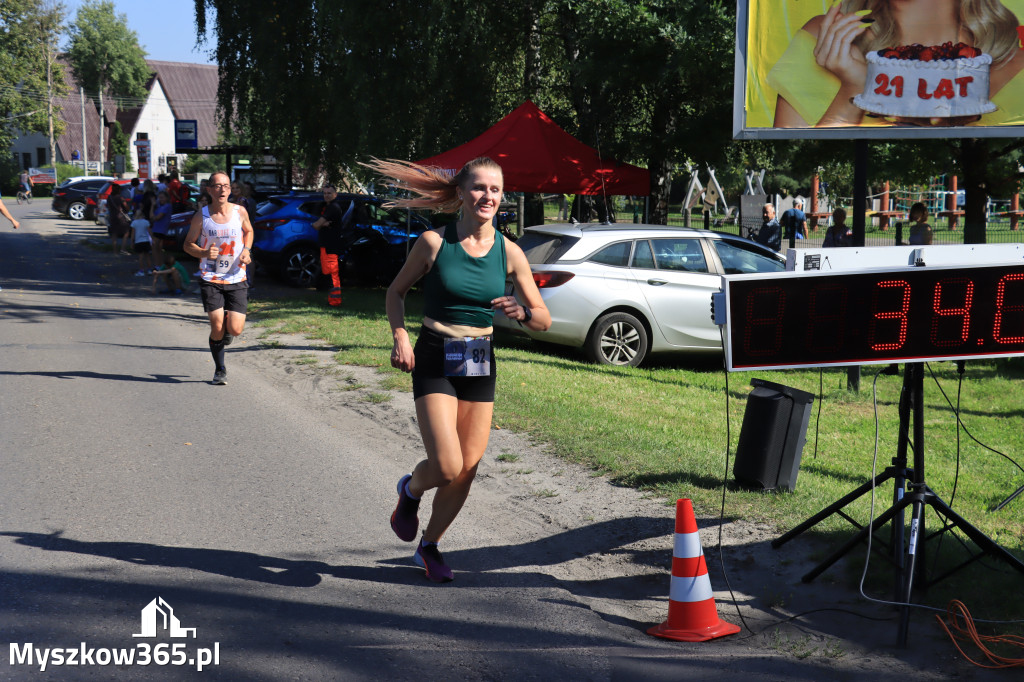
[328, 227]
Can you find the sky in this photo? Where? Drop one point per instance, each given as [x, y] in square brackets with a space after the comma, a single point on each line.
[166, 28]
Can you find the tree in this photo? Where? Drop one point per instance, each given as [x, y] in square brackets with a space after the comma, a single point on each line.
[105, 54]
[641, 80]
[27, 29]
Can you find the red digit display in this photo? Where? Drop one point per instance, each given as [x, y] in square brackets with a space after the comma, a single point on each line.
[811, 319]
[948, 293]
[1003, 307]
[827, 313]
[764, 321]
[882, 296]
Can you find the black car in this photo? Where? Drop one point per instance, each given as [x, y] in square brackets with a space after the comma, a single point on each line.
[77, 200]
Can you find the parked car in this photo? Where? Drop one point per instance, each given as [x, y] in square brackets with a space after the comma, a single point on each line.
[79, 178]
[374, 242]
[72, 199]
[177, 230]
[101, 199]
[622, 292]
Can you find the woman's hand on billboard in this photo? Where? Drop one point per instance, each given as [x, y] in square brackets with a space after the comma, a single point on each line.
[836, 52]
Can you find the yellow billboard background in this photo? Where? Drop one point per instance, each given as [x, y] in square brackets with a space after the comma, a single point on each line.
[772, 24]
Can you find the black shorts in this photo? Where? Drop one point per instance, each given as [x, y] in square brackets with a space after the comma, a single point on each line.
[143, 247]
[232, 297]
[428, 374]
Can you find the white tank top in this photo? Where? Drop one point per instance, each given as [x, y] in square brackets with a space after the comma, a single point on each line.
[225, 268]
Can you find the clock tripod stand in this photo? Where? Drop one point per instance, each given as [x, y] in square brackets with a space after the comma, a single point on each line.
[910, 490]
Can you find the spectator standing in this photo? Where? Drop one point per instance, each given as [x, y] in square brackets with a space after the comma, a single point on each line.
[770, 234]
[838, 234]
[794, 221]
[328, 227]
[161, 221]
[179, 193]
[920, 231]
[143, 244]
[117, 219]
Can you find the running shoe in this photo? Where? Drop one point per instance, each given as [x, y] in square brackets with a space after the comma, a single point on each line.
[228, 339]
[220, 377]
[404, 520]
[430, 559]
[140, 273]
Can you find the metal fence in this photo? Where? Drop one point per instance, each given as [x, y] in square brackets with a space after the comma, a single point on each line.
[997, 231]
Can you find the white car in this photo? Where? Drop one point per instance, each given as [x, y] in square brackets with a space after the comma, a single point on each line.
[624, 291]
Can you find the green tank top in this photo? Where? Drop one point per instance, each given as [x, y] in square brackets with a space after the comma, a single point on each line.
[459, 288]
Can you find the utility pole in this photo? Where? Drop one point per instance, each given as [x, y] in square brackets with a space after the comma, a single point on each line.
[49, 101]
[85, 145]
[102, 127]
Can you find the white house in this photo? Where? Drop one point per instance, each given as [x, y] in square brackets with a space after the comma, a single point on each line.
[176, 90]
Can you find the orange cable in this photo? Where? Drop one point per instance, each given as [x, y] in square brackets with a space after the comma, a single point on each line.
[961, 623]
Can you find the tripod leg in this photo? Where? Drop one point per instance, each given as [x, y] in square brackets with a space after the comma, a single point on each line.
[916, 529]
[879, 521]
[984, 542]
[835, 507]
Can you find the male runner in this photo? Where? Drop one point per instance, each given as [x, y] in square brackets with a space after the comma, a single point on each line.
[225, 236]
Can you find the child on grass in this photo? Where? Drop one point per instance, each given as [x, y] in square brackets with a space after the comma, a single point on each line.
[175, 276]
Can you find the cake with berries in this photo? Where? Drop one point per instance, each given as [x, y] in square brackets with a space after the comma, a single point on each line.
[927, 84]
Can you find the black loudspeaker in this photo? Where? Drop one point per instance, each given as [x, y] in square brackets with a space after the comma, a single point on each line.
[772, 437]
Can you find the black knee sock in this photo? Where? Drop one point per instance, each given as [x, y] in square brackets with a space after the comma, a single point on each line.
[217, 348]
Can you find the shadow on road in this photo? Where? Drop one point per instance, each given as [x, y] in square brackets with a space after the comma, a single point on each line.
[83, 374]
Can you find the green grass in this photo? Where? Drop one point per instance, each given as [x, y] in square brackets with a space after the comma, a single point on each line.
[663, 428]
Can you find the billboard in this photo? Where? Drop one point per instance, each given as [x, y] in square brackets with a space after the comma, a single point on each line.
[43, 175]
[879, 69]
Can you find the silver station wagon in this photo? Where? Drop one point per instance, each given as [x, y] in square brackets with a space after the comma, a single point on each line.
[622, 292]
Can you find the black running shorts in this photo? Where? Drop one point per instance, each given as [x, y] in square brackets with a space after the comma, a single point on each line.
[428, 374]
[232, 297]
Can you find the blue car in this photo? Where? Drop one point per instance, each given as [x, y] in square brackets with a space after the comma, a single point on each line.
[374, 241]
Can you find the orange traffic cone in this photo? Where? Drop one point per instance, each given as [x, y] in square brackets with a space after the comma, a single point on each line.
[692, 615]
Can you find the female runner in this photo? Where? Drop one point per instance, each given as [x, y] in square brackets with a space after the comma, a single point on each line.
[464, 267]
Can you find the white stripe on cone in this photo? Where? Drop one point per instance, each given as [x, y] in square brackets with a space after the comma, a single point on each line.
[691, 589]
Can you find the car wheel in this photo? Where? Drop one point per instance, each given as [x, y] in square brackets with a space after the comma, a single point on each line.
[301, 267]
[76, 211]
[617, 339]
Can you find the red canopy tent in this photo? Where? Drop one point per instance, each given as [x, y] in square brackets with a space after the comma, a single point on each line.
[536, 155]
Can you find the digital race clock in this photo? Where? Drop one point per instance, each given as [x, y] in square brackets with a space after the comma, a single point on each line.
[810, 319]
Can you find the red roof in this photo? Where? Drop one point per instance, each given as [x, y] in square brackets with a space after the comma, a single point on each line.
[536, 155]
[191, 90]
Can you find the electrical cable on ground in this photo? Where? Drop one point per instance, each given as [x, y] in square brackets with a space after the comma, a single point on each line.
[960, 629]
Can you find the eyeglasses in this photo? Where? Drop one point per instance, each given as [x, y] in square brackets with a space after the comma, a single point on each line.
[219, 186]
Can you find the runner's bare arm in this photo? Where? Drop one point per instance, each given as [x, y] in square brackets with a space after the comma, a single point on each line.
[7, 214]
[247, 237]
[194, 230]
